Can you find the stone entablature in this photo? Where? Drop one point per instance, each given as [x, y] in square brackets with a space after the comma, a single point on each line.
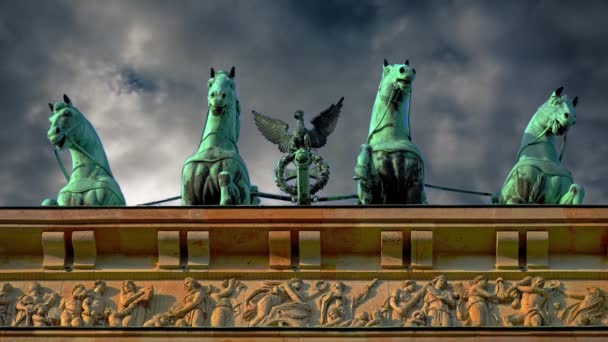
[304, 267]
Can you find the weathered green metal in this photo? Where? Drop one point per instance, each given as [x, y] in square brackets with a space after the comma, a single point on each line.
[91, 182]
[539, 177]
[390, 168]
[216, 173]
[297, 148]
[302, 168]
[277, 131]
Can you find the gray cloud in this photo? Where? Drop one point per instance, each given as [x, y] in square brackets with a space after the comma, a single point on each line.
[138, 70]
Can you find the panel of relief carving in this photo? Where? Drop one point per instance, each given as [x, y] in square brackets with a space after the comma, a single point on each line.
[440, 302]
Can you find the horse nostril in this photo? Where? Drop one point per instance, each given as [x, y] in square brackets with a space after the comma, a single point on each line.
[56, 130]
[566, 115]
[223, 96]
[402, 70]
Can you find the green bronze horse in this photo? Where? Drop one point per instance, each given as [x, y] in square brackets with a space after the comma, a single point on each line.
[539, 177]
[216, 173]
[390, 168]
[91, 182]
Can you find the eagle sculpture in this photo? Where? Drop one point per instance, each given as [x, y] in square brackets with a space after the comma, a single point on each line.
[276, 131]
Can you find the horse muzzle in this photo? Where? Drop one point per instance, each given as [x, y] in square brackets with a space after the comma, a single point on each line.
[57, 140]
[217, 110]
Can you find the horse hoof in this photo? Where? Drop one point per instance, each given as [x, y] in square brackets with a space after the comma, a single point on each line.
[49, 202]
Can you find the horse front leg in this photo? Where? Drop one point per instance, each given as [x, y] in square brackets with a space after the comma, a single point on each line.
[229, 193]
[366, 175]
[574, 196]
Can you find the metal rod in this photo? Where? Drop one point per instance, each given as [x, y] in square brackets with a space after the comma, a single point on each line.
[336, 198]
[162, 201]
[458, 190]
[271, 196]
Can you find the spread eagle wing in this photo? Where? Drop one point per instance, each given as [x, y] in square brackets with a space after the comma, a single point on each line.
[274, 130]
[324, 124]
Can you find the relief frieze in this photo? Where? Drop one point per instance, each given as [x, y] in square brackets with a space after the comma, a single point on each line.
[532, 301]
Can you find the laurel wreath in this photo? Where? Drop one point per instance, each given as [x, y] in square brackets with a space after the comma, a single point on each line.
[289, 158]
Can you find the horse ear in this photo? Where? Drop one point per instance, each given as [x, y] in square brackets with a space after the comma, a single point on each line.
[575, 101]
[407, 62]
[66, 99]
[232, 72]
[51, 107]
[558, 91]
[385, 62]
[212, 73]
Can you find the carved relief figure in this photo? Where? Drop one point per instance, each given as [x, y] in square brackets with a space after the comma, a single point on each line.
[223, 314]
[403, 300]
[438, 303]
[418, 319]
[71, 315]
[531, 298]
[7, 305]
[281, 304]
[94, 306]
[132, 304]
[40, 316]
[589, 311]
[478, 311]
[165, 319]
[26, 304]
[192, 313]
[334, 305]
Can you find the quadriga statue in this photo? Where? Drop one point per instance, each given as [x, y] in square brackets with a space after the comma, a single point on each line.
[539, 177]
[91, 182]
[216, 173]
[390, 168]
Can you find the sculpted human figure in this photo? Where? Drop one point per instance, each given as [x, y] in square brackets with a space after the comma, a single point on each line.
[191, 313]
[7, 305]
[94, 306]
[26, 304]
[532, 302]
[165, 319]
[478, 311]
[404, 299]
[438, 303]
[222, 314]
[334, 301]
[71, 315]
[590, 310]
[418, 319]
[280, 304]
[132, 304]
[40, 316]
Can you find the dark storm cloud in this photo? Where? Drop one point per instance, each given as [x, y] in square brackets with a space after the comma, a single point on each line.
[138, 70]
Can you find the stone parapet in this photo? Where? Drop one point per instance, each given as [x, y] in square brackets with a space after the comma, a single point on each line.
[309, 268]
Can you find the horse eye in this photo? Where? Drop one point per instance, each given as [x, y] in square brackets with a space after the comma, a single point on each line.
[402, 70]
[213, 94]
[223, 96]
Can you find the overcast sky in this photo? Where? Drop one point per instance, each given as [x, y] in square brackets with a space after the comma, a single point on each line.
[138, 70]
